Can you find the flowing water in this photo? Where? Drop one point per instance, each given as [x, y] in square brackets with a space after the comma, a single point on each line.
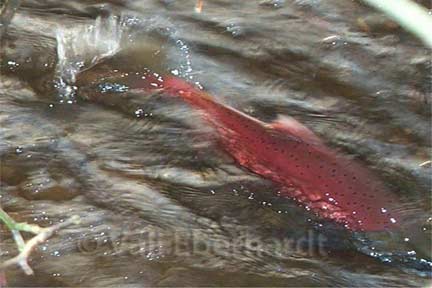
[161, 203]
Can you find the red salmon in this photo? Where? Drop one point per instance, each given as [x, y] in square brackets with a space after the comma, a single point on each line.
[288, 153]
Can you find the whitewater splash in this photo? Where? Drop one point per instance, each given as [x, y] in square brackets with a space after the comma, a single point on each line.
[81, 47]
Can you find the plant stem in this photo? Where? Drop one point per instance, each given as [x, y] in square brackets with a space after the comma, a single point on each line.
[410, 15]
[19, 226]
[9, 222]
[16, 227]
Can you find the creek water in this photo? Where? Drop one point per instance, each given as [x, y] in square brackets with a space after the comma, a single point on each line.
[161, 203]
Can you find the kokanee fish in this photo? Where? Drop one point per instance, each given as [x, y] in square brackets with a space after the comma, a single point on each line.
[292, 156]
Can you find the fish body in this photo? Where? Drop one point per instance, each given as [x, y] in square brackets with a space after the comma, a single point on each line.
[289, 154]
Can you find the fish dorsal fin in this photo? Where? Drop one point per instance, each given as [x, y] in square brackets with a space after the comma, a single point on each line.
[291, 126]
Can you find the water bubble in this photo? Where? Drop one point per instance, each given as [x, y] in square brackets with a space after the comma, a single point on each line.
[273, 3]
[393, 220]
[234, 29]
[139, 112]
[383, 210]
[12, 63]
[386, 259]
[19, 150]
[112, 87]
[333, 41]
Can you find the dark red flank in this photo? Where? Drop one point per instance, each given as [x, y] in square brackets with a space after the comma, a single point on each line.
[288, 153]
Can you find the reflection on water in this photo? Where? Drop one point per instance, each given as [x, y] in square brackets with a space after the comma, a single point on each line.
[162, 204]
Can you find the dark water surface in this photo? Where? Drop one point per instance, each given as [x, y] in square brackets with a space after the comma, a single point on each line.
[161, 204]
